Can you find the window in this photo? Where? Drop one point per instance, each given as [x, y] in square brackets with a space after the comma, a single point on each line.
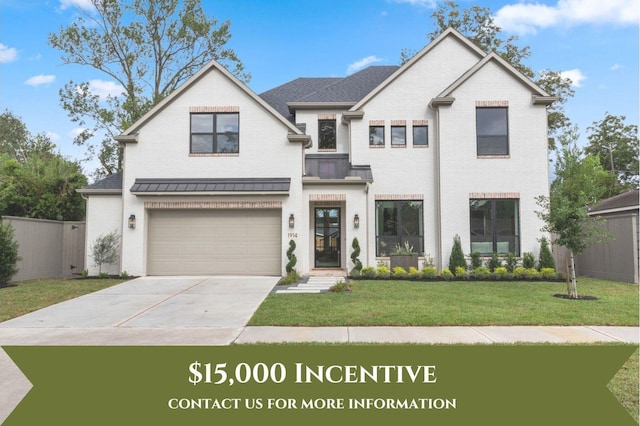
[398, 135]
[376, 135]
[495, 226]
[327, 134]
[492, 131]
[399, 222]
[420, 135]
[214, 133]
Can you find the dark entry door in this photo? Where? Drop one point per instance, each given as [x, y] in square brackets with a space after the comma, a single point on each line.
[327, 237]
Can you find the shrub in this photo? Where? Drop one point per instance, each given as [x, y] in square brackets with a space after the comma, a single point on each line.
[124, 275]
[104, 250]
[521, 272]
[414, 273]
[292, 257]
[462, 273]
[494, 262]
[546, 259]
[291, 278]
[369, 272]
[85, 273]
[548, 273]
[429, 272]
[427, 260]
[476, 261]
[446, 274]
[501, 273]
[383, 272]
[533, 274]
[340, 287]
[357, 265]
[512, 262]
[528, 260]
[9, 250]
[399, 272]
[481, 273]
[457, 256]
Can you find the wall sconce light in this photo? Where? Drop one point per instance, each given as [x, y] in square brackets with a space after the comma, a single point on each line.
[132, 221]
[356, 221]
[292, 221]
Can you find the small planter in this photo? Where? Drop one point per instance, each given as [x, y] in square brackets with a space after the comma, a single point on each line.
[404, 260]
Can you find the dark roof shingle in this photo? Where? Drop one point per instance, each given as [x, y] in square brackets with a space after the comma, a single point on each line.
[627, 199]
[211, 185]
[108, 184]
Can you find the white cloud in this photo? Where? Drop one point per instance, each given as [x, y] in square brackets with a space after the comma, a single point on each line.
[105, 89]
[7, 54]
[75, 132]
[575, 75]
[526, 18]
[358, 65]
[38, 80]
[419, 3]
[80, 4]
[616, 67]
[53, 136]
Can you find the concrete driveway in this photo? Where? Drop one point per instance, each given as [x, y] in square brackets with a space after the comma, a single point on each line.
[147, 310]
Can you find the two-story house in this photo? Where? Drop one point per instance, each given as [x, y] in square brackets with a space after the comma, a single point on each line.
[219, 180]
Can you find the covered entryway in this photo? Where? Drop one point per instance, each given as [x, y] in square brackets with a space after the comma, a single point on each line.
[214, 242]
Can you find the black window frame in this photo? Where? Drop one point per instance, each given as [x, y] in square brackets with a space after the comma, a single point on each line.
[486, 141]
[214, 133]
[387, 237]
[404, 129]
[497, 236]
[322, 138]
[426, 135]
[371, 129]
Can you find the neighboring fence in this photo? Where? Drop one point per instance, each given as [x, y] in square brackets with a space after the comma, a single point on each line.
[47, 248]
[614, 260]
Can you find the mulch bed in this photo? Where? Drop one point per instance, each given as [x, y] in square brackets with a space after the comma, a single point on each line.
[566, 296]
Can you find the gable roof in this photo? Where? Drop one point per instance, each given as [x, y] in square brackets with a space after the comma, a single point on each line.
[623, 202]
[111, 184]
[449, 32]
[494, 57]
[126, 136]
[316, 92]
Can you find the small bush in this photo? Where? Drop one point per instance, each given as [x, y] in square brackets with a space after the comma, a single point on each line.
[340, 287]
[533, 274]
[481, 273]
[383, 272]
[291, 278]
[368, 272]
[528, 260]
[512, 262]
[462, 273]
[85, 273]
[494, 262]
[103, 275]
[546, 260]
[521, 272]
[476, 261]
[9, 258]
[429, 272]
[124, 275]
[414, 273]
[292, 257]
[399, 272]
[501, 273]
[446, 274]
[357, 265]
[457, 256]
[548, 273]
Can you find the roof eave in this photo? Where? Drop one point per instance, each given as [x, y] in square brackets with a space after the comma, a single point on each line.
[294, 106]
[99, 191]
[441, 101]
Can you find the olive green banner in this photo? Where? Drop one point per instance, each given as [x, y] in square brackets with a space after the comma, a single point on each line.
[320, 384]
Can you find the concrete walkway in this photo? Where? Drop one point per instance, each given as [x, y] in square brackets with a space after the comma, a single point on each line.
[214, 311]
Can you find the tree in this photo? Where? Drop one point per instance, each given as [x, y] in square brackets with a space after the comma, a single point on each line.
[580, 182]
[149, 47]
[616, 145]
[545, 259]
[8, 254]
[477, 24]
[17, 142]
[357, 265]
[456, 259]
[104, 250]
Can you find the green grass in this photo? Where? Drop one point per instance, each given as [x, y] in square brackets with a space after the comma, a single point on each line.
[29, 296]
[406, 303]
[624, 386]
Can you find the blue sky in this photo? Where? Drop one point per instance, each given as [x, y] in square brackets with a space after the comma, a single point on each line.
[594, 42]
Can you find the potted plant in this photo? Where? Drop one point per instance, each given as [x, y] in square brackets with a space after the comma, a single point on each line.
[404, 256]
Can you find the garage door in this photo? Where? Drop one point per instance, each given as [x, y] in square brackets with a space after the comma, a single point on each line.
[214, 242]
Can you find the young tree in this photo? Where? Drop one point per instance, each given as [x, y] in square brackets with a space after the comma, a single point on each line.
[456, 259]
[149, 47]
[616, 145]
[478, 25]
[580, 182]
[104, 250]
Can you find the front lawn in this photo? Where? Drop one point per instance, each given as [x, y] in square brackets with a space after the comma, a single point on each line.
[28, 296]
[406, 303]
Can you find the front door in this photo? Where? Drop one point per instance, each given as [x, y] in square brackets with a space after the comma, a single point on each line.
[327, 237]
